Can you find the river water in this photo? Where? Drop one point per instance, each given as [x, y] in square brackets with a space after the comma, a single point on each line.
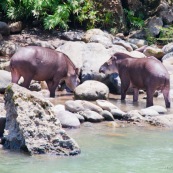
[104, 149]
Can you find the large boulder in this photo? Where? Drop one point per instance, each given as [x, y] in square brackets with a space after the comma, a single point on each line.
[91, 90]
[89, 57]
[4, 29]
[5, 80]
[31, 125]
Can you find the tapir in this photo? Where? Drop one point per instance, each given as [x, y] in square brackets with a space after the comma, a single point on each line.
[43, 64]
[140, 73]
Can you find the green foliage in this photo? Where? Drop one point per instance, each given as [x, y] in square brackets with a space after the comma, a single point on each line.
[135, 22]
[51, 12]
[165, 35]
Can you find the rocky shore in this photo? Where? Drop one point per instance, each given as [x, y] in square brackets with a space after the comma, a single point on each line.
[33, 124]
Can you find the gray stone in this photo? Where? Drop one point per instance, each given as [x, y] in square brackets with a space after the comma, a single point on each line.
[92, 116]
[134, 115]
[91, 90]
[67, 119]
[106, 105]
[74, 106]
[148, 112]
[31, 125]
[4, 29]
[154, 24]
[138, 42]
[124, 44]
[118, 114]
[5, 80]
[72, 35]
[15, 27]
[167, 48]
[107, 115]
[158, 108]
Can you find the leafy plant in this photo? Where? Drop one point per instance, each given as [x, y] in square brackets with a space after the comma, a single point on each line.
[135, 22]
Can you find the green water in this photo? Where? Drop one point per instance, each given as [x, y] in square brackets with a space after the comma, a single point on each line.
[104, 150]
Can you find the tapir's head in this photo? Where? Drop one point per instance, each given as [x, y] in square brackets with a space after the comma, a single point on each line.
[109, 66]
[72, 80]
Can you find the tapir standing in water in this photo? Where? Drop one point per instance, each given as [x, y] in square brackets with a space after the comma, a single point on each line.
[43, 64]
[140, 73]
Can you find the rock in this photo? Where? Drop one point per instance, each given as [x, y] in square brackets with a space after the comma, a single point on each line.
[148, 112]
[161, 121]
[90, 106]
[2, 125]
[92, 116]
[118, 114]
[35, 86]
[89, 57]
[124, 44]
[4, 29]
[134, 115]
[158, 108]
[107, 115]
[88, 36]
[80, 117]
[15, 27]
[153, 25]
[102, 39]
[167, 16]
[5, 80]
[74, 106]
[5, 66]
[138, 42]
[106, 105]
[31, 125]
[153, 51]
[67, 119]
[58, 108]
[8, 48]
[91, 90]
[1, 38]
[168, 48]
[112, 124]
[72, 35]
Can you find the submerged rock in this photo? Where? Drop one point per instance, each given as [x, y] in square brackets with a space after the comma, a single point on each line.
[31, 125]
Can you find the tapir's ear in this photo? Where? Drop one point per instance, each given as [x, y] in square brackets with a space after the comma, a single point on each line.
[114, 57]
[77, 70]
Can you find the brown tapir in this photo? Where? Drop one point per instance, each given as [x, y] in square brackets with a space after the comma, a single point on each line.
[43, 64]
[140, 73]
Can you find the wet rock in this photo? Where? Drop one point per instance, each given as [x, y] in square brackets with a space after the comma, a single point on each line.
[148, 112]
[161, 121]
[158, 108]
[107, 115]
[118, 114]
[74, 106]
[92, 116]
[106, 105]
[5, 80]
[2, 125]
[80, 117]
[134, 115]
[67, 119]
[31, 125]
[91, 90]
[4, 29]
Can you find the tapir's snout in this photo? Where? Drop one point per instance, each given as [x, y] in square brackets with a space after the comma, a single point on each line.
[102, 69]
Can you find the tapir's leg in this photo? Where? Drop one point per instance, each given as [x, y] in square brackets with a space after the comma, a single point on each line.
[26, 82]
[52, 87]
[150, 93]
[135, 94]
[166, 95]
[15, 76]
[124, 87]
